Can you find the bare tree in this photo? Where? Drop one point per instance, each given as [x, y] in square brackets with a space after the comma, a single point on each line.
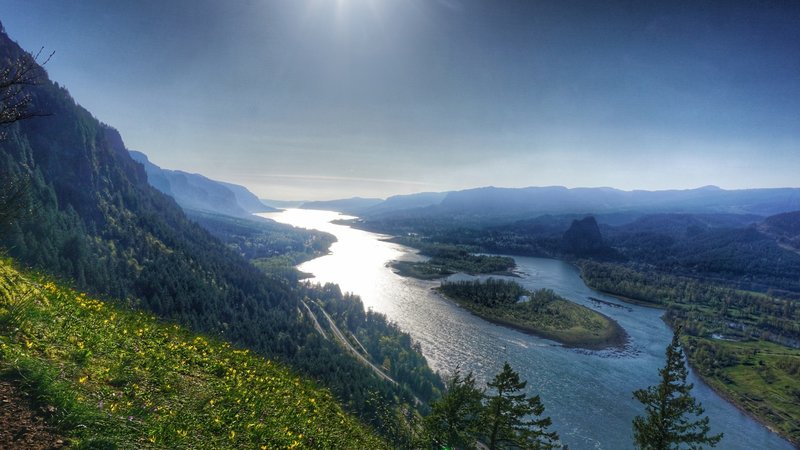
[15, 79]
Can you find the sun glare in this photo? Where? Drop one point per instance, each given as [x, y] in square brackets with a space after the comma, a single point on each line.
[353, 9]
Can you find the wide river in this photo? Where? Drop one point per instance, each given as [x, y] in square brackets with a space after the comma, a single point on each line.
[586, 393]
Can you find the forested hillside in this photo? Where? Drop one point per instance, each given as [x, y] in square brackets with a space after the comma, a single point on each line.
[94, 221]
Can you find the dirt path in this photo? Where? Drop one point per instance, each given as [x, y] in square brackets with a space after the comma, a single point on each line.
[21, 425]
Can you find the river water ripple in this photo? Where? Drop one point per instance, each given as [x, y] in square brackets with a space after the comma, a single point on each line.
[588, 394]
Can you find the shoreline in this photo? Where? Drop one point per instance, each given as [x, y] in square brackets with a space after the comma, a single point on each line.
[708, 381]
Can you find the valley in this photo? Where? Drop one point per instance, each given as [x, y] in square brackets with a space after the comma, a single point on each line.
[451, 337]
[416, 225]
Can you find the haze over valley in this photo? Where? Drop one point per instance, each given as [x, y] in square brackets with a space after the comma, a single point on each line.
[408, 225]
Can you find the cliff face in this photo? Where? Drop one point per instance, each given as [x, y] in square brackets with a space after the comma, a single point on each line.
[195, 192]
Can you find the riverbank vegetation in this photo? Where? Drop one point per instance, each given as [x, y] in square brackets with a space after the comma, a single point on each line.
[744, 344]
[541, 312]
[274, 248]
[760, 377]
[701, 307]
[110, 377]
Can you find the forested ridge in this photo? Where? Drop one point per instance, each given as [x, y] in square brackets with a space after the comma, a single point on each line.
[261, 239]
[742, 251]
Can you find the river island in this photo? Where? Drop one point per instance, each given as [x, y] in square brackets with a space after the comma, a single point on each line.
[541, 312]
[447, 259]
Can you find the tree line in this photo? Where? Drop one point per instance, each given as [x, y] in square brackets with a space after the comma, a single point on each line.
[701, 307]
[505, 417]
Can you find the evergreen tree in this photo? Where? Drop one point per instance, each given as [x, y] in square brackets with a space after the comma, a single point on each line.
[673, 417]
[507, 413]
[454, 421]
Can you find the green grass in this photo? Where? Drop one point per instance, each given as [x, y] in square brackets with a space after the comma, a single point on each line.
[761, 377]
[121, 379]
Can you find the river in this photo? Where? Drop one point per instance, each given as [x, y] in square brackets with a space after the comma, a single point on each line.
[588, 394]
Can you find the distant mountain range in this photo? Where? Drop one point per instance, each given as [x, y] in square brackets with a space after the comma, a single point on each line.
[280, 204]
[347, 205]
[375, 206]
[197, 193]
[493, 203]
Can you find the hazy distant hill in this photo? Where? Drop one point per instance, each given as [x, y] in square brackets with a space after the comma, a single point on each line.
[508, 204]
[371, 206]
[681, 225]
[354, 205]
[195, 192]
[282, 203]
[404, 202]
[488, 205]
[246, 199]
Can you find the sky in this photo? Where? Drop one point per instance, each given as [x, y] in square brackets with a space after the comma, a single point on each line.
[323, 99]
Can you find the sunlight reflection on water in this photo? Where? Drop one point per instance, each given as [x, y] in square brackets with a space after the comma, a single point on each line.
[587, 394]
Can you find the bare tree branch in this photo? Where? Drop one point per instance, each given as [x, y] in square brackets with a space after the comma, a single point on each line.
[15, 100]
[15, 105]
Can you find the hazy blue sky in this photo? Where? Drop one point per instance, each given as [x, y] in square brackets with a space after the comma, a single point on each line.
[307, 99]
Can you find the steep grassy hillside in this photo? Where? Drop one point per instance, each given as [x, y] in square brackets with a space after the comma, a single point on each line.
[111, 377]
